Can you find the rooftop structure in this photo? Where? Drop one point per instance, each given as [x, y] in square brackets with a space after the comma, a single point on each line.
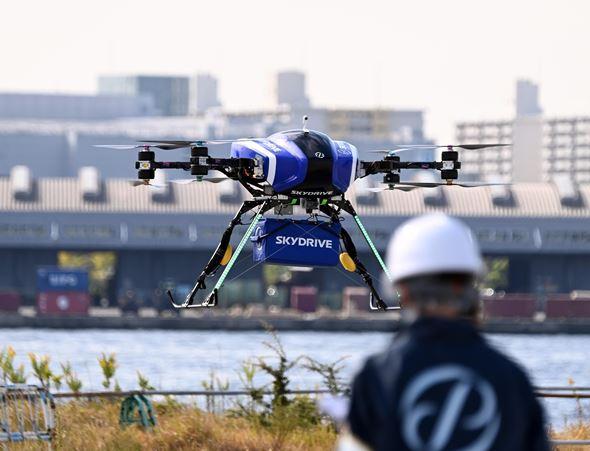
[291, 90]
[203, 93]
[527, 99]
[169, 94]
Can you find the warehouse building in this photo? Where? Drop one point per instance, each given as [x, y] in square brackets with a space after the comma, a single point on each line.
[165, 236]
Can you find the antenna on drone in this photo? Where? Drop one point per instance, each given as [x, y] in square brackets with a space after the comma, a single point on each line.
[305, 119]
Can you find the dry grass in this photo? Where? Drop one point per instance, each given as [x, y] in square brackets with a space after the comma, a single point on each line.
[579, 430]
[95, 426]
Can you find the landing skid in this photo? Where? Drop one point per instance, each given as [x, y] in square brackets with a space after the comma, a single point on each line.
[332, 208]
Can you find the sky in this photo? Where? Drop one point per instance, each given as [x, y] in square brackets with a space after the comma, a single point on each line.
[456, 59]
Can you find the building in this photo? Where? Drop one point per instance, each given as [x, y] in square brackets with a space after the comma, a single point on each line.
[527, 99]
[291, 90]
[74, 107]
[163, 236]
[203, 93]
[170, 94]
[542, 149]
[61, 148]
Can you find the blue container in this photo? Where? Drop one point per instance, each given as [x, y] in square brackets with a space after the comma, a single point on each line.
[296, 243]
[51, 278]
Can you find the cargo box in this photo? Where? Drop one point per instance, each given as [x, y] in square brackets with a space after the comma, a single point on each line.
[63, 303]
[304, 299]
[51, 278]
[10, 301]
[296, 242]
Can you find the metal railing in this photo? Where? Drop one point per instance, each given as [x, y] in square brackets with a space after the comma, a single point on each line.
[26, 413]
[541, 392]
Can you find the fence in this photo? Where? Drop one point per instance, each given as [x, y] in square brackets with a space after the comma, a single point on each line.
[26, 413]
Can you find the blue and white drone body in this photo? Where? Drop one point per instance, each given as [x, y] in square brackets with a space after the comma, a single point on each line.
[302, 168]
[302, 163]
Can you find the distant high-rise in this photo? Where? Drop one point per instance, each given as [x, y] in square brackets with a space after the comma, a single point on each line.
[203, 93]
[291, 90]
[170, 94]
[527, 99]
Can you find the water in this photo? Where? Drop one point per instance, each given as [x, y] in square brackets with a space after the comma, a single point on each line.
[183, 359]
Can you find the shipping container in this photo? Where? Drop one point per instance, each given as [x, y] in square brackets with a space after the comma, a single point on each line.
[10, 301]
[63, 303]
[355, 299]
[51, 278]
[304, 299]
[518, 307]
[567, 309]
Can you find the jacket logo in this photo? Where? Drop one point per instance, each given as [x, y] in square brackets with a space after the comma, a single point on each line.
[434, 410]
[319, 155]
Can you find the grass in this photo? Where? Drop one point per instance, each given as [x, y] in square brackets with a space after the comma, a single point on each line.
[578, 430]
[95, 426]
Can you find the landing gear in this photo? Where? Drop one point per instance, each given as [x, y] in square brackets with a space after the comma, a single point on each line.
[221, 253]
[332, 208]
[375, 301]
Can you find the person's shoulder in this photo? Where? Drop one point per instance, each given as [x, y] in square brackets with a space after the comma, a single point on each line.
[389, 361]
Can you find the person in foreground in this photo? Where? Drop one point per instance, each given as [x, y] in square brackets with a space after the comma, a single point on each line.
[440, 385]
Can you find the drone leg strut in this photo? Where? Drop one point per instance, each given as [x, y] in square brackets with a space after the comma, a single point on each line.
[217, 257]
[375, 301]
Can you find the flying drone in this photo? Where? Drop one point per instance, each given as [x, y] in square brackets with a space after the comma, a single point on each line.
[303, 168]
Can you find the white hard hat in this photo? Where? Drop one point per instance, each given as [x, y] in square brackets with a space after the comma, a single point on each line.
[432, 244]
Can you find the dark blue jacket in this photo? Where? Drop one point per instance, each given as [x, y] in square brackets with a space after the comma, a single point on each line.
[441, 386]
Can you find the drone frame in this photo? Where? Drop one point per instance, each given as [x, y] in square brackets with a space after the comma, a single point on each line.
[331, 207]
[248, 172]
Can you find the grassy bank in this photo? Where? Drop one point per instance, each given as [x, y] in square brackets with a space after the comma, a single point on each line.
[95, 426]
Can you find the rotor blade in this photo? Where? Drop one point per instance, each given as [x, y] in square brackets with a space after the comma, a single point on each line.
[204, 179]
[380, 189]
[461, 184]
[136, 183]
[163, 146]
[390, 152]
[198, 142]
[118, 146]
[401, 148]
[480, 146]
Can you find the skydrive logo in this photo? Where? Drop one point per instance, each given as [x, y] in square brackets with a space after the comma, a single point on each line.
[303, 242]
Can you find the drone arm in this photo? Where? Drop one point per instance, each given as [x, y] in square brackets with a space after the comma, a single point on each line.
[386, 166]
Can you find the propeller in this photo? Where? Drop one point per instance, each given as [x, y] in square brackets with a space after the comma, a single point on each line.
[461, 184]
[202, 142]
[404, 147]
[203, 179]
[390, 152]
[163, 146]
[395, 187]
[409, 186]
[136, 183]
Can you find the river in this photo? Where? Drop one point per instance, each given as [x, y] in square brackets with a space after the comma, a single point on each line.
[183, 359]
